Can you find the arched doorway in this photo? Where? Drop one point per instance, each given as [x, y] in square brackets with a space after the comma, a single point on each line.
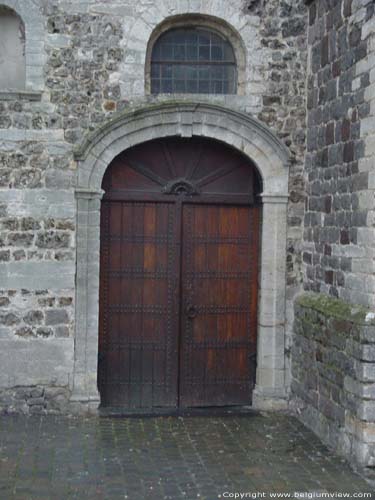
[180, 231]
[184, 119]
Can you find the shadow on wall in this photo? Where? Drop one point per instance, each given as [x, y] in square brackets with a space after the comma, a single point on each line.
[253, 7]
[12, 50]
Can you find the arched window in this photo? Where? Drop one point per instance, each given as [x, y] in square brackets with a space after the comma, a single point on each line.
[193, 60]
[12, 50]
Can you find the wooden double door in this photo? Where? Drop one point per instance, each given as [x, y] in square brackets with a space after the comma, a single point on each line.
[179, 266]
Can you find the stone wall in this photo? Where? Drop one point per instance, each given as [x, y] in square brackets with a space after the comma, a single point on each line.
[339, 220]
[39, 314]
[85, 62]
[34, 400]
[334, 374]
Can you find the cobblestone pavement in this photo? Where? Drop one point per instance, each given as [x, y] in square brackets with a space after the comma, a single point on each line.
[166, 458]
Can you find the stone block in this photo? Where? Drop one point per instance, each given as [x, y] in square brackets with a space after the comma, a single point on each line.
[56, 317]
[36, 392]
[23, 392]
[33, 317]
[52, 240]
[363, 431]
[37, 275]
[36, 402]
[9, 319]
[36, 409]
[62, 331]
[364, 454]
[44, 332]
[364, 372]
[366, 411]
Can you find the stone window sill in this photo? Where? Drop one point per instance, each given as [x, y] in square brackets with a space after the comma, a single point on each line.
[26, 95]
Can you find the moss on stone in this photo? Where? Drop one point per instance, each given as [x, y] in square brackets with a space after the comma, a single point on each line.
[336, 308]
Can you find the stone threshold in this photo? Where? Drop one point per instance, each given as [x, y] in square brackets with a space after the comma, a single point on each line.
[219, 411]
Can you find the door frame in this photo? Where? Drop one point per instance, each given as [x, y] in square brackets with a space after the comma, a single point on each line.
[271, 158]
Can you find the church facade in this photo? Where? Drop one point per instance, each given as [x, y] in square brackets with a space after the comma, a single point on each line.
[187, 209]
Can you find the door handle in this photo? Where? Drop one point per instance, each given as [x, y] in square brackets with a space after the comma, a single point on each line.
[191, 311]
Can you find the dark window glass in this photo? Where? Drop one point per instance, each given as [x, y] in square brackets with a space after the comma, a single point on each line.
[193, 60]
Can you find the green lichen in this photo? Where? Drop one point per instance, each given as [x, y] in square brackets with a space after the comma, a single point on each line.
[336, 308]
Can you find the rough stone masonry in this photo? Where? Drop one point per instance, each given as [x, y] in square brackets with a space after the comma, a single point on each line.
[85, 64]
[333, 356]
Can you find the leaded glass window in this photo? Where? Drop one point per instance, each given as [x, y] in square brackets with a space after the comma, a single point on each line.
[193, 61]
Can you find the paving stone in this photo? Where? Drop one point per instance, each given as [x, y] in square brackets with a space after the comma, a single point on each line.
[202, 457]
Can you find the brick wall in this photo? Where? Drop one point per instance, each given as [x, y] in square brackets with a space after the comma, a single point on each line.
[333, 347]
[339, 235]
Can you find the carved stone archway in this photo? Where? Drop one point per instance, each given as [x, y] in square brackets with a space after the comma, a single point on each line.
[236, 129]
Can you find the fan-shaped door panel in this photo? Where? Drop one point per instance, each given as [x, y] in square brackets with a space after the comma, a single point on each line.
[192, 167]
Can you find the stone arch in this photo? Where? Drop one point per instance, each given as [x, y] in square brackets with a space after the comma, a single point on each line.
[204, 21]
[184, 119]
[32, 19]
